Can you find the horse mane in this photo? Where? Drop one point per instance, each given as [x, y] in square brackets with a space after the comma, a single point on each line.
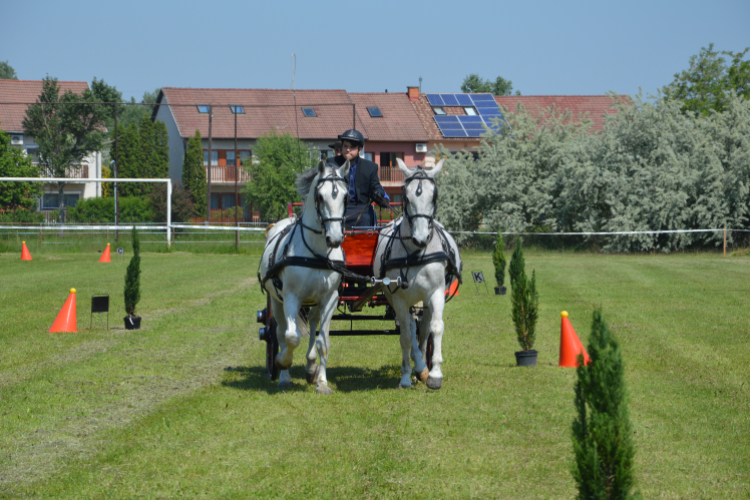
[305, 180]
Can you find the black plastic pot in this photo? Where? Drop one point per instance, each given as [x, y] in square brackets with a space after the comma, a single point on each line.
[500, 290]
[526, 358]
[132, 322]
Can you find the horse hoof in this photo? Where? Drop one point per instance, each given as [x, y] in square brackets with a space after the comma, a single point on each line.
[401, 386]
[424, 374]
[312, 378]
[284, 385]
[434, 383]
[324, 389]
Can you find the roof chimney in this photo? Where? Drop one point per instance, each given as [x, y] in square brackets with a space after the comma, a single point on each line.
[413, 93]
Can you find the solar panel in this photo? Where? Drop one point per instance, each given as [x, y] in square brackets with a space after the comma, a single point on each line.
[464, 100]
[470, 119]
[454, 133]
[446, 119]
[435, 99]
[477, 98]
[475, 133]
[449, 99]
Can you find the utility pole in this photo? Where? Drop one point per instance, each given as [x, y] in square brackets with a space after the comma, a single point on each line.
[236, 175]
[208, 191]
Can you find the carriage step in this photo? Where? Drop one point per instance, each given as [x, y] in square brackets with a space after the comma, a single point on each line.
[352, 333]
[363, 317]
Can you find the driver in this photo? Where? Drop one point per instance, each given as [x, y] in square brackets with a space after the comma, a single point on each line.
[364, 184]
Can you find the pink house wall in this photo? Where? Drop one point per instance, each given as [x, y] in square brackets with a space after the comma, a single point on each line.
[411, 158]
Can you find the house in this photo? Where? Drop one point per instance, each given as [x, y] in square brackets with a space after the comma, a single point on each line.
[15, 96]
[315, 116]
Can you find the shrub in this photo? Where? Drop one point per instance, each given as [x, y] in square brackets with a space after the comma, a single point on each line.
[498, 259]
[602, 434]
[21, 215]
[132, 209]
[183, 207]
[524, 300]
[133, 277]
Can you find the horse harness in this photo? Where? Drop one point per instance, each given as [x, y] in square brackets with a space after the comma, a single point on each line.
[318, 261]
[419, 257]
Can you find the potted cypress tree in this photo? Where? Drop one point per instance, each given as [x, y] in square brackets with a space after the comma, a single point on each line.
[524, 307]
[133, 285]
[499, 261]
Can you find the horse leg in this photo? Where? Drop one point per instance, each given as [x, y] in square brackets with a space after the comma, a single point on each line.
[323, 343]
[312, 370]
[424, 331]
[436, 328]
[289, 337]
[285, 380]
[407, 339]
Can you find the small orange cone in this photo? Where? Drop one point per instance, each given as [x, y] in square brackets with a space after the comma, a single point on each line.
[66, 320]
[570, 345]
[105, 255]
[25, 255]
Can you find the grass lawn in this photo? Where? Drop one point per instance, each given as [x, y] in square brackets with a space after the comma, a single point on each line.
[181, 408]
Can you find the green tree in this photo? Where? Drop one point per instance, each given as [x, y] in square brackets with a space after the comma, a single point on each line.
[474, 84]
[280, 157]
[7, 72]
[133, 277]
[602, 434]
[194, 174]
[129, 159]
[14, 163]
[161, 151]
[67, 129]
[706, 84]
[524, 300]
[498, 259]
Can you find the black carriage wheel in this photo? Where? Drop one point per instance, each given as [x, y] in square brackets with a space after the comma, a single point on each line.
[272, 349]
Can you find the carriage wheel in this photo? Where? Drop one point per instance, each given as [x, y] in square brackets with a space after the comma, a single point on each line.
[272, 349]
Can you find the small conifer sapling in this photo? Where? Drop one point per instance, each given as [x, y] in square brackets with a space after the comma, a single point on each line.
[133, 277]
[499, 260]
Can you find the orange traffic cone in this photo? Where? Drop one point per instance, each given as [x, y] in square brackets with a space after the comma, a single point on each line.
[25, 255]
[105, 255]
[570, 345]
[66, 319]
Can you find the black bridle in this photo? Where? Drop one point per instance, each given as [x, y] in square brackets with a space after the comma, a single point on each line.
[420, 176]
[333, 178]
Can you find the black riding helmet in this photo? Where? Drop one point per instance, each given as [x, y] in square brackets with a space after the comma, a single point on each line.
[353, 136]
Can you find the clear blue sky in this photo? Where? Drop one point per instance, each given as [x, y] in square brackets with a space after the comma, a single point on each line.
[544, 47]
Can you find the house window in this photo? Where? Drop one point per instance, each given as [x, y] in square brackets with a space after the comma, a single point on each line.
[227, 201]
[367, 156]
[215, 203]
[230, 158]
[245, 157]
[214, 158]
[202, 108]
[470, 111]
[389, 159]
[33, 153]
[309, 112]
[238, 110]
[326, 153]
[375, 112]
[438, 110]
[51, 201]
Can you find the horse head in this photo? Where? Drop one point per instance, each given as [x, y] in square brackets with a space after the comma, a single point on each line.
[420, 200]
[331, 196]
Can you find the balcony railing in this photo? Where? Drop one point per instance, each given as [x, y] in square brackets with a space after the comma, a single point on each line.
[390, 174]
[228, 174]
[82, 172]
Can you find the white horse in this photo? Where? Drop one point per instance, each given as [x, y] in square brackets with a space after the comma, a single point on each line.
[417, 249]
[297, 269]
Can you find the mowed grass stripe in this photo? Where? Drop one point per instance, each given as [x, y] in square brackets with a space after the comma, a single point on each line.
[494, 430]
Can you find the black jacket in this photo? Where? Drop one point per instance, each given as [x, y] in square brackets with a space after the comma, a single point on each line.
[366, 180]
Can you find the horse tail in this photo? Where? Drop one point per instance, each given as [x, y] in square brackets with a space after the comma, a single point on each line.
[302, 323]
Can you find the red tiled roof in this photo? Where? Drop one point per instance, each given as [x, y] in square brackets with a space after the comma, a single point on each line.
[595, 105]
[330, 122]
[25, 91]
[400, 121]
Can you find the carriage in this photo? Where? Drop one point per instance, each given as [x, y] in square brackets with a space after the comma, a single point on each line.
[358, 300]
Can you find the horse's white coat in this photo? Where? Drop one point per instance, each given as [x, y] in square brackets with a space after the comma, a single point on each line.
[426, 282]
[303, 284]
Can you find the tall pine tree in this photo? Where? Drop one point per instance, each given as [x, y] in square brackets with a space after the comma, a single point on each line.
[148, 160]
[161, 148]
[602, 434]
[194, 174]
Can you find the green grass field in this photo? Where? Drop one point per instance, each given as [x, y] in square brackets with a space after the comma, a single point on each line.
[181, 408]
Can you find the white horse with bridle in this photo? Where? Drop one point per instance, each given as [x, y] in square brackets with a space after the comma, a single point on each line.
[417, 249]
[301, 266]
